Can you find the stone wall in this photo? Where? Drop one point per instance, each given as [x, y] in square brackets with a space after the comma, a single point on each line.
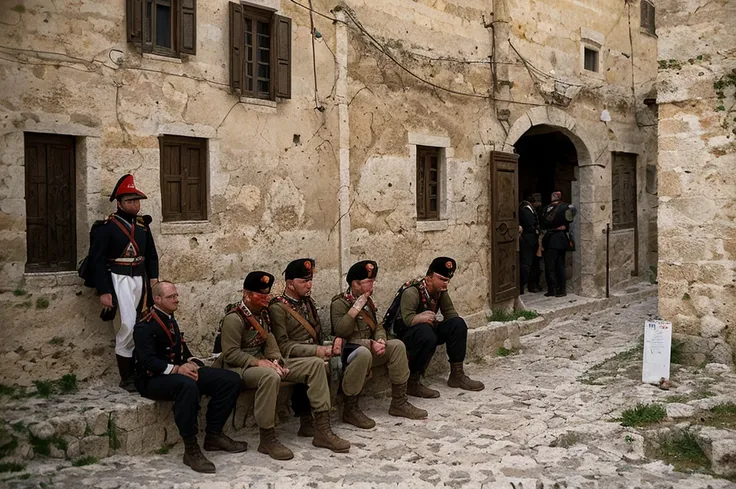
[697, 173]
[329, 174]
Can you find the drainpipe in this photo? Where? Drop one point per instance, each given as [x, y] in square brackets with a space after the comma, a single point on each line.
[341, 97]
[500, 29]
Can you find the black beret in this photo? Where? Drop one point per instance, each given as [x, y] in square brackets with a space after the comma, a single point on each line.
[444, 266]
[302, 268]
[362, 270]
[258, 282]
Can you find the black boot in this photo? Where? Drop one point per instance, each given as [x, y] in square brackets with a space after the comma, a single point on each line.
[126, 369]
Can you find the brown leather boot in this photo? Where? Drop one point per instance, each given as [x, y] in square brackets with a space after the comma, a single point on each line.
[306, 426]
[352, 414]
[194, 458]
[215, 442]
[324, 437]
[400, 405]
[415, 388]
[459, 379]
[271, 445]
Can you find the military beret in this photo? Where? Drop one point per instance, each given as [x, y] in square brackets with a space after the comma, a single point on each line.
[258, 282]
[444, 266]
[362, 270]
[302, 268]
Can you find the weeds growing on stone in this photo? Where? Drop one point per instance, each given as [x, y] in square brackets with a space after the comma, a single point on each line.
[68, 384]
[643, 414]
[12, 467]
[42, 446]
[504, 352]
[7, 390]
[112, 433]
[164, 449]
[88, 460]
[567, 440]
[9, 447]
[503, 316]
[629, 360]
[56, 340]
[44, 388]
[19, 292]
[722, 416]
[18, 427]
[681, 450]
[42, 303]
[24, 305]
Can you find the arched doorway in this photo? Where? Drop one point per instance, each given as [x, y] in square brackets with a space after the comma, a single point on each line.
[548, 162]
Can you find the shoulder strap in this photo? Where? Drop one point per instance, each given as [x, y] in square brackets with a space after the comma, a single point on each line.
[253, 322]
[130, 234]
[305, 324]
[368, 319]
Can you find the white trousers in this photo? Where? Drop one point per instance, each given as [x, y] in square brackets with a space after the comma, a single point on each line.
[128, 291]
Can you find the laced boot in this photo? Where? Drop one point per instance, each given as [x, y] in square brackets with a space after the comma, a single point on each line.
[271, 446]
[324, 437]
[215, 442]
[352, 414]
[459, 379]
[306, 426]
[400, 405]
[416, 389]
[194, 458]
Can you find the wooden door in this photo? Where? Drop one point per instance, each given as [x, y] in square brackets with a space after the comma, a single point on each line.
[51, 236]
[504, 226]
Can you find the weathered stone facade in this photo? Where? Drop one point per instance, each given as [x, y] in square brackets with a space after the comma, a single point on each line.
[329, 174]
[697, 172]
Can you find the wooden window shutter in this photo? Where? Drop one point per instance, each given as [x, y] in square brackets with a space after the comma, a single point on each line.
[283, 56]
[171, 181]
[188, 26]
[421, 185]
[194, 166]
[148, 20]
[133, 19]
[237, 41]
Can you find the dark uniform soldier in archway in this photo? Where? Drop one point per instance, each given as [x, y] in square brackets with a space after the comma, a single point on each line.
[556, 219]
[528, 239]
[123, 259]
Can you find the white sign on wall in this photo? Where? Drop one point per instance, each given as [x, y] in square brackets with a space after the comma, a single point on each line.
[657, 344]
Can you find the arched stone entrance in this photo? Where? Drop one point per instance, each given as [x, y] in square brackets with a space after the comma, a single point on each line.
[547, 141]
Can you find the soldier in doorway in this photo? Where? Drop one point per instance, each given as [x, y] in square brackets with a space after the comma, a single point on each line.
[250, 350]
[355, 318]
[418, 326]
[124, 261]
[297, 329]
[556, 220]
[535, 270]
[528, 239]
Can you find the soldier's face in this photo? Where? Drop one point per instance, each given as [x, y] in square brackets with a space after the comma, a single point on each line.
[364, 286]
[301, 287]
[132, 207]
[438, 283]
[168, 301]
[256, 300]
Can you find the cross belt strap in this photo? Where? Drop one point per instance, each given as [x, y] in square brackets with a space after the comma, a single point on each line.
[130, 234]
[368, 319]
[168, 333]
[305, 324]
[257, 326]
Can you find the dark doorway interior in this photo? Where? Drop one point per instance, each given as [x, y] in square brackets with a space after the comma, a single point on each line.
[547, 161]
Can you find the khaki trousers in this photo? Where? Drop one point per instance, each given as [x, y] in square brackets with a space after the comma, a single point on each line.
[394, 357]
[266, 382]
[311, 371]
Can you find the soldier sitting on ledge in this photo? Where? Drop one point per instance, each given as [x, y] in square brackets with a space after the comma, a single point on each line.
[165, 374]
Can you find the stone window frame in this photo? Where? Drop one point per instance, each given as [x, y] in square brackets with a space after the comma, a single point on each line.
[647, 18]
[591, 40]
[447, 152]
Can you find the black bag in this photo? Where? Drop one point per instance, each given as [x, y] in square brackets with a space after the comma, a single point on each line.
[217, 347]
[392, 322]
[86, 271]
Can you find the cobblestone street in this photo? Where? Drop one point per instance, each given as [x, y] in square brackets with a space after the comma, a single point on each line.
[545, 420]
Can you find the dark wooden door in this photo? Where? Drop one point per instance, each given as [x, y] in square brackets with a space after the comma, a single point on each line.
[504, 226]
[51, 235]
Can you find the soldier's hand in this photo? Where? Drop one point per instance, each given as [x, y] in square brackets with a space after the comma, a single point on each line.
[106, 301]
[324, 352]
[267, 364]
[378, 347]
[427, 317]
[361, 301]
[189, 370]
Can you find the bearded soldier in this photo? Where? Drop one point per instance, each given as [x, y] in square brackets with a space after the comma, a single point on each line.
[354, 318]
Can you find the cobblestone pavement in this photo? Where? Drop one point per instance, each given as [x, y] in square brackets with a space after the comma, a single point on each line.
[536, 425]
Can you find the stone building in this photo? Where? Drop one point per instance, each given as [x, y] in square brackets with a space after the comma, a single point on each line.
[267, 131]
[697, 174]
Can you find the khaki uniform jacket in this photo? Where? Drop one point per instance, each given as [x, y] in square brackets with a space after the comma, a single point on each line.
[356, 330]
[292, 338]
[411, 305]
[236, 355]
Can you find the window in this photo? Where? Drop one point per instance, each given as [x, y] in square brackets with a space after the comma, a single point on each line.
[51, 236]
[260, 52]
[590, 59]
[163, 27]
[647, 16]
[623, 187]
[428, 182]
[183, 178]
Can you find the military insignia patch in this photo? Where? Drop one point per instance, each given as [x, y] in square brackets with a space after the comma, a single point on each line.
[265, 279]
[129, 251]
[449, 265]
[369, 268]
[308, 265]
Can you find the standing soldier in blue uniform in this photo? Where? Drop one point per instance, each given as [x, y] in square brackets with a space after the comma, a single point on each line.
[123, 260]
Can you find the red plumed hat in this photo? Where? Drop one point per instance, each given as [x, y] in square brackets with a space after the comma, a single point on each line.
[126, 186]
